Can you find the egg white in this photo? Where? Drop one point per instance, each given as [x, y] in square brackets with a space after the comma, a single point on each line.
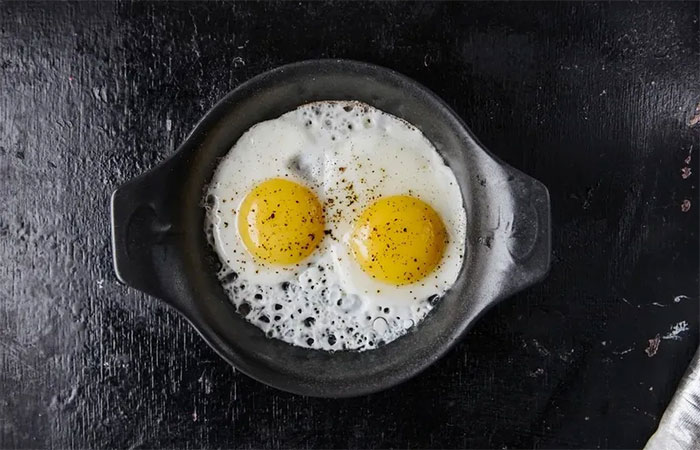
[349, 154]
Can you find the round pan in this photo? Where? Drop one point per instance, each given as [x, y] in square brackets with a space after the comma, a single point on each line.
[160, 246]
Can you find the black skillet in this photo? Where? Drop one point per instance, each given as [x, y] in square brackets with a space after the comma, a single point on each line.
[160, 246]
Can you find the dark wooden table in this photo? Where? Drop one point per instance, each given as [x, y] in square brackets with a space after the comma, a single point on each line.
[595, 100]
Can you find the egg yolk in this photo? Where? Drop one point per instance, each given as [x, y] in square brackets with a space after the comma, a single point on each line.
[398, 240]
[281, 222]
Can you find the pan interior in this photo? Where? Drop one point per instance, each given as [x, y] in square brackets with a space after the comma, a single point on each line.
[314, 372]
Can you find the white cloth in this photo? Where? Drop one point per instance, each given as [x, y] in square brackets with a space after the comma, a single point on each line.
[679, 428]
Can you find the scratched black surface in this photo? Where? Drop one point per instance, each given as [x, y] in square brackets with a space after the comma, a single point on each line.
[595, 100]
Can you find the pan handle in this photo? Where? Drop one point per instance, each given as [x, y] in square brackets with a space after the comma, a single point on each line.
[529, 242]
[143, 234]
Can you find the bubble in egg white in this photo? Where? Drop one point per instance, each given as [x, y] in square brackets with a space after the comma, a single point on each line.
[324, 303]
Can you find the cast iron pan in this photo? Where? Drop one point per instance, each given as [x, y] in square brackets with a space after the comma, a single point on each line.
[160, 246]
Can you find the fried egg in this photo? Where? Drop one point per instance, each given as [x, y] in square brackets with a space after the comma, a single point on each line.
[338, 226]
